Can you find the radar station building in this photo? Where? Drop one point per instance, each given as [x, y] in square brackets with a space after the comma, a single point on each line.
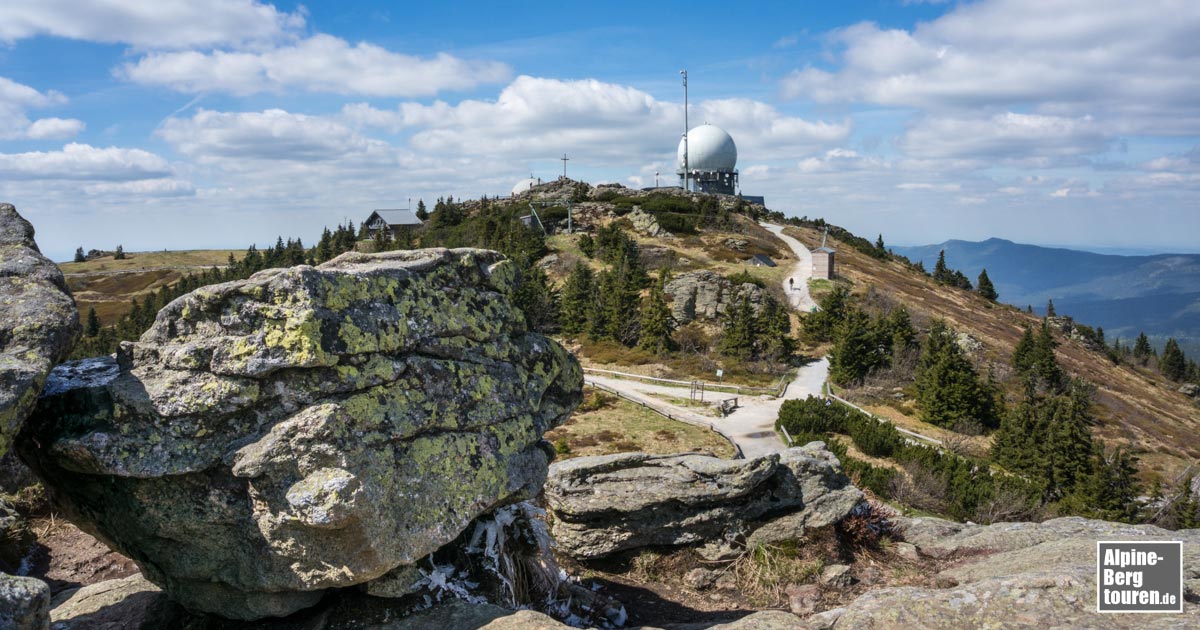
[708, 156]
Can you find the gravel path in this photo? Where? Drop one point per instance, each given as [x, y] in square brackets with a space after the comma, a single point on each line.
[797, 293]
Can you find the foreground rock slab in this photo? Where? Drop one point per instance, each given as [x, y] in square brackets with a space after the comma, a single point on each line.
[602, 505]
[307, 428]
[1014, 575]
[38, 321]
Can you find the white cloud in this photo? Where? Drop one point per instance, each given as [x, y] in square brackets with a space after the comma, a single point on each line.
[84, 162]
[1132, 65]
[321, 63]
[1006, 135]
[603, 122]
[54, 128]
[148, 24]
[273, 134]
[841, 160]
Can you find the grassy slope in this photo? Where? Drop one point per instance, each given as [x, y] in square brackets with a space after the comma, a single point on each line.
[621, 426]
[108, 285]
[1135, 408]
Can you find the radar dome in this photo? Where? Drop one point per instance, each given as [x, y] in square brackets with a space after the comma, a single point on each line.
[709, 148]
[523, 185]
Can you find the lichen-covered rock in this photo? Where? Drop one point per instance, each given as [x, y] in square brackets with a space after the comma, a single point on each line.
[1014, 575]
[130, 603]
[38, 321]
[705, 295]
[644, 223]
[24, 603]
[306, 428]
[15, 538]
[605, 504]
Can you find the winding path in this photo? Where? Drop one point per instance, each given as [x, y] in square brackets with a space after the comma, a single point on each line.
[752, 425]
[798, 295]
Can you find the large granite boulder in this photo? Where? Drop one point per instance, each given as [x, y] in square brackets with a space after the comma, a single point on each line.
[1014, 575]
[605, 504]
[307, 428]
[706, 294]
[38, 321]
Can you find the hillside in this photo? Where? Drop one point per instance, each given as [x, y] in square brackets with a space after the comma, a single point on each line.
[108, 285]
[1135, 407]
[1124, 294]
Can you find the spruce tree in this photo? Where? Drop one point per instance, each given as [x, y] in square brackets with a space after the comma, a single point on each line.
[119, 254]
[1044, 366]
[941, 272]
[79, 257]
[985, 288]
[1050, 308]
[577, 297]
[739, 336]
[587, 245]
[948, 388]
[855, 349]
[775, 326]
[1023, 353]
[1141, 349]
[657, 324]
[93, 323]
[820, 324]
[536, 300]
[1172, 363]
[879, 244]
[422, 213]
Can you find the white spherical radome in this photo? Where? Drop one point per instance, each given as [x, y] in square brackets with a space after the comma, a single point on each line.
[709, 148]
[523, 185]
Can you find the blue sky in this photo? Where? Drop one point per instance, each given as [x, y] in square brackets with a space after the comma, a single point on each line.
[179, 124]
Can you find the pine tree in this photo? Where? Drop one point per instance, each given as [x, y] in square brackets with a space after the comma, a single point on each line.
[577, 299]
[879, 244]
[1172, 363]
[422, 213]
[93, 323]
[775, 326]
[536, 300]
[1043, 365]
[79, 257]
[1023, 353]
[986, 290]
[657, 324]
[119, 254]
[819, 325]
[1050, 308]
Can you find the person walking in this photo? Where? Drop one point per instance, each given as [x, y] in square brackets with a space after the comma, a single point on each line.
[791, 284]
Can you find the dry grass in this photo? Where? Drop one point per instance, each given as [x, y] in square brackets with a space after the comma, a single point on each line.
[764, 572]
[1135, 410]
[619, 426]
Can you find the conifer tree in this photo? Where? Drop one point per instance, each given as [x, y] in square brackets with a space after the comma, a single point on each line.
[1043, 365]
[1141, 349]
[1050, 308]
[422, 213]
[536, 300]
[587, 245]
[855, 350]
[985, 287]
[119, 254]
[92, 327]
[879, 244]
[941, 272]
[577, 298]
[819, 325]
[1172, 363]
[738, 337]
[79, 257]
[657, 324]
[1023, 353]
[948, 388]
[775, 330]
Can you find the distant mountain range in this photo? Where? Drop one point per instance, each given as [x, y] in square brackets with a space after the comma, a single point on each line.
[1158, 294]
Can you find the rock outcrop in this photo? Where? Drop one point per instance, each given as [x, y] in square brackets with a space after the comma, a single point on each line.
[645, 223]
[705, 295]
[38, 321]
[15, 538]
[306, 428]
[1013, 575]
[24, 603]
[605, 504]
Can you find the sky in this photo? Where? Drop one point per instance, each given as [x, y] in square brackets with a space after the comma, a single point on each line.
[178, 124]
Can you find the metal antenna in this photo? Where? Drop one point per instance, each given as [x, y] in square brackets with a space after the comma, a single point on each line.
[685, 130]
[564, 159]
[823, 235]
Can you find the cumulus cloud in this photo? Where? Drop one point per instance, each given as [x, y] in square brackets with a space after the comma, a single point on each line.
[534, 117]
[321, 63]
[1007, 135]
[155, 24]
[54, 128]
[1131, 63]
[84, 162]
[273, 134]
